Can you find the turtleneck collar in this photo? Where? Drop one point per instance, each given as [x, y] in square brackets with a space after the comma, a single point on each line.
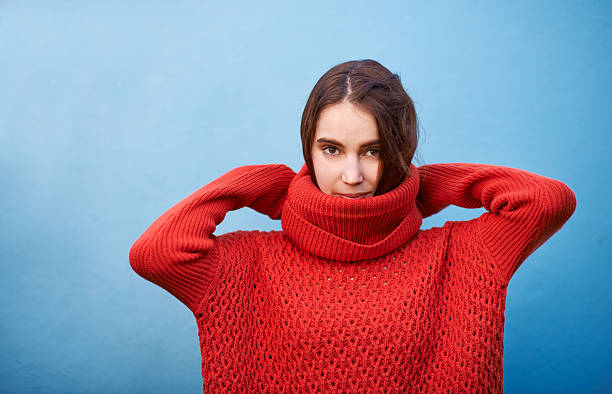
[349, 230]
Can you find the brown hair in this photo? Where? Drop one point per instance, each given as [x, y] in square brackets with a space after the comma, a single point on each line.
[372, 87]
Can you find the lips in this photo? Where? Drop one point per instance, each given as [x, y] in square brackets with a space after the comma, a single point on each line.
[352, 195]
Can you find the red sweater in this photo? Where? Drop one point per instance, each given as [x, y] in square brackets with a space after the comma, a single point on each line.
[352, 295]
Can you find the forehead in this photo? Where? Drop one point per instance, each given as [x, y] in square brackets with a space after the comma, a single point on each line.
[346, 123]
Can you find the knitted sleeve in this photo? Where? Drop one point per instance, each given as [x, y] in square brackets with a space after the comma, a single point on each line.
[179, 251]
[524, 209]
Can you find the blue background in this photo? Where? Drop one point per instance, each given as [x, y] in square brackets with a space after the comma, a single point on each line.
[110, 113]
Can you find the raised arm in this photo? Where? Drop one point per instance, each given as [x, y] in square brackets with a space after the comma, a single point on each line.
[178, 251]
[524, 209]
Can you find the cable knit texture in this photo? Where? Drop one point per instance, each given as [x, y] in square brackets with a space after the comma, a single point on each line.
[351, 295]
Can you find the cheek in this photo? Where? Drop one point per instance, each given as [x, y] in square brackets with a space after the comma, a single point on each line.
[324, 173]
[374, 170]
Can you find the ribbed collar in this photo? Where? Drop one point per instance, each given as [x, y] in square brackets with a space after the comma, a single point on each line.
[349, 230]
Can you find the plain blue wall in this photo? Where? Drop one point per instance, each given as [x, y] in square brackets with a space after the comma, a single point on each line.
[110, 113]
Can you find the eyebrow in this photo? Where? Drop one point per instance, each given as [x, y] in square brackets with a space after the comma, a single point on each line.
[330, 141]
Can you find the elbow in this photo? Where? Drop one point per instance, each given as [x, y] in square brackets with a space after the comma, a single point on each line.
[139, 257]
[564, 201]
[558, 204]
[570, 201]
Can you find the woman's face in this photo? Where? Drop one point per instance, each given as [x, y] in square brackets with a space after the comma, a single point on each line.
[345, 151]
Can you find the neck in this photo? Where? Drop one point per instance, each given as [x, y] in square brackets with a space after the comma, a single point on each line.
[336, 228]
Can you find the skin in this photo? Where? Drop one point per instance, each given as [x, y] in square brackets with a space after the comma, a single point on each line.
[344, 158]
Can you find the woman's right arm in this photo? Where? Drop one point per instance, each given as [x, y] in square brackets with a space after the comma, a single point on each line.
[178, 251]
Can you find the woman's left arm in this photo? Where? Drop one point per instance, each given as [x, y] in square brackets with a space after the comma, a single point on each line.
[524, 209]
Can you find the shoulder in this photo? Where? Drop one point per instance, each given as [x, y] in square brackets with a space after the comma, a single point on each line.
[248, 240]
[434, 236]
[248, 235]
[467, 249]
[429, 242]
[458, 247]
[243, 251]
[465, 232]
[434, 232]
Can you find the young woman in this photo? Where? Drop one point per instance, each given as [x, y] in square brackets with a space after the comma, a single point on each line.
[351, 295]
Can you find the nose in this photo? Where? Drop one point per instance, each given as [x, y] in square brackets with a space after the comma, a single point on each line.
[352, 173]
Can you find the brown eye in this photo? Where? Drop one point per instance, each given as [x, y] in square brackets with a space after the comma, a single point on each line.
[374, 151]
[333, 148]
